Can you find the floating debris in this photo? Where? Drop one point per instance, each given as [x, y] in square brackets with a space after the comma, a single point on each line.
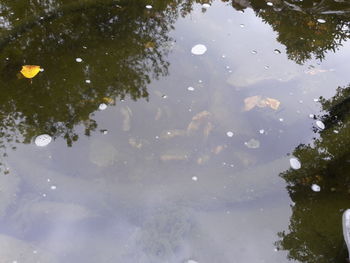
[149, 6]
[190, 88]
[102, 106]
[43, 140]
[316, 100]
[315, 188]
[269, 3]
[108, 100]
[198, 49]
[88, 81]
[229, 134]
[104, 131]
[30, 71]
[336, 131]
[277, 51]
[320, 125]
[252, 144]
[79, 60]
[295, 163]
[321, 21]
[311, 116]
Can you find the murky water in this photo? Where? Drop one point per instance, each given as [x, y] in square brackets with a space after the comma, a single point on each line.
[182, 131]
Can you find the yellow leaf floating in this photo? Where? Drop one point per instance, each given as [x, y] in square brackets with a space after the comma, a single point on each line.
[258, 101]
[108, 100]
[30, 71]
[150, 44]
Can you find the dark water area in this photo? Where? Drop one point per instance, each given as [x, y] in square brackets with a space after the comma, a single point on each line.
[174, 131]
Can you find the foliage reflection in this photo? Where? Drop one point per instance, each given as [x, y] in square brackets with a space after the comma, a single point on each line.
[315, 233]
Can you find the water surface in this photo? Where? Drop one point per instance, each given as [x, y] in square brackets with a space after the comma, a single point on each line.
[161, 155]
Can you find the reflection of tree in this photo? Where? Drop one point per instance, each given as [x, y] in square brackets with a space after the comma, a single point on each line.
[315, 226]
[296, 23]
[123, 47]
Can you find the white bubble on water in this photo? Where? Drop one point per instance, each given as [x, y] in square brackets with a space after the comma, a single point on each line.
[320, 125]
[206, 5]
[254, 52]
[262, 131]
[242, 25]
[269, 3]
[53, 187]
[295, 163]
[252, 144]
[311, 116]
[315, 187]
[78, 60]
[149, 6]
[195, 178]
[229, 134]
[42, 140]
[190, 88]
[102, 106]
[88, 81]
[277, 51]
[198, 49]
[191, 261]
[321, 21]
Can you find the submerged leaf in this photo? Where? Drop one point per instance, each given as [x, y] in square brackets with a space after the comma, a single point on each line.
[30, 71]
[272, 103]
[258, 101]
[251, 102]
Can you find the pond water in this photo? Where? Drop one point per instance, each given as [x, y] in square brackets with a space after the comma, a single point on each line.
[175, 131]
